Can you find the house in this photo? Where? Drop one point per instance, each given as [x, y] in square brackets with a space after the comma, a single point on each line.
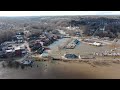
[55, 37]
[35, 46]
[42, 37]
[19, 50]
[18, 39]
[7, 43]
[77, 34]
[7, 49]
[9, 52]
[23, 51]
[46, 42]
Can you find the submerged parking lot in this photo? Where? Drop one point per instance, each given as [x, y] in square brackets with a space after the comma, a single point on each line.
[80, 49]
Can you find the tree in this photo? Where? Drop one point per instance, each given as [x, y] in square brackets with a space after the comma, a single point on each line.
[118, 35]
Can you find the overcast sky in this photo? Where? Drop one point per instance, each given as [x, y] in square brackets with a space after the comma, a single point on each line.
[56, 13]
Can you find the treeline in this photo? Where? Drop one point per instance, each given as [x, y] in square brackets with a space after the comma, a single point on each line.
[6, 35]
[93, 27]
[89, 25]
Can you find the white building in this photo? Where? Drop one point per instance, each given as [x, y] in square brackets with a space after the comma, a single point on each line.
[97, 44]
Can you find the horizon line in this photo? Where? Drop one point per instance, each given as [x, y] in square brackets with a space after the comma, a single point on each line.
[56, 13]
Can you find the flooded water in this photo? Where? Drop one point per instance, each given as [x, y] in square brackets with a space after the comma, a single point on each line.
[57, 43]
[61, 41]
[54, 46]
[62, 70]
[45, 70]
[56, 53]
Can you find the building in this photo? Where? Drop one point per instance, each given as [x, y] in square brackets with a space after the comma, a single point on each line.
[95, 44]
[20, 50]
[18, 39]
[70, 56]
[13, 49]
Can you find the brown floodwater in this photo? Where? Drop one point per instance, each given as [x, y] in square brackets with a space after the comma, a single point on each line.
[62, 70]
